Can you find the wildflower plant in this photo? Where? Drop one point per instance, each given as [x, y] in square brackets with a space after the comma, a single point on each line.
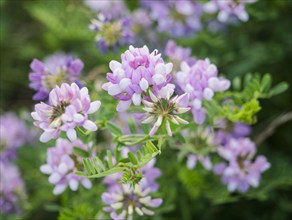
[119, 136]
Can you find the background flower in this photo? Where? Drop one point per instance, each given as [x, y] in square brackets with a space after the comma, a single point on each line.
[56, 69]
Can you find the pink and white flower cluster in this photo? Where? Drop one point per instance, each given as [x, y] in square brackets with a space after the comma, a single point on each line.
[61, 164]
[124, 201]
[200, 81]
[228, 8]
[241, 171]
[138, 71]
[69, 107]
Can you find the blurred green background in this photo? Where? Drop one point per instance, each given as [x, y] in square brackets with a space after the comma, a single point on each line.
[35, 29]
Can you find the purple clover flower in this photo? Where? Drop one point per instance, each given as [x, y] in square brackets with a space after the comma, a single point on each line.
[204, 160]
[111, 32]
[110, 8]
[61, 164]
[178, 18]
[138, 71]
[178, 54]
[69, 107]
[12, 191]
[55, 70]
[203, 143]
[230, 130]
[200, 81]
[13, 134]
[123, 201]
[228, 8]
[240, 172]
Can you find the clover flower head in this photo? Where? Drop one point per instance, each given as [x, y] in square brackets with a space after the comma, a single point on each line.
[235, 148]
[55, 70]
[124, 201]
[202, 144]
[241, 171]
[69, 107]
[178, 18]
[138, 71]
[61, 164]
[228, 8]
[12, 191]
[178, 54]
[228, 130]
[13, 134]
[200, 81]
[110, 8]
[163, 109]
[203, 159]
[111, 32]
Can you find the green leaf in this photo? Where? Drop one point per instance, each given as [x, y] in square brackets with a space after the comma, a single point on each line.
[109, 159]
[80, 152]
[114, 129]
[132, 158]
[278, 89]
[266, 83]
[132, 125]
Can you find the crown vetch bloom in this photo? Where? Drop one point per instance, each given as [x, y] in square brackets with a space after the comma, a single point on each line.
[230, 130]
[12, 190]
[162, 109]
[228, 8]
[241, 171]
[13, 134]
[178, 54]
[61, 164]
[178, 18]
[69, 107]
[110, 8]
[123, 201]
[138, 71]
[200, 81]
[55, 70]
[202, 143]
[111, 33]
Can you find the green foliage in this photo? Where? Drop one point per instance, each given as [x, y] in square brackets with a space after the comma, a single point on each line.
[243, 104]
[96, 167]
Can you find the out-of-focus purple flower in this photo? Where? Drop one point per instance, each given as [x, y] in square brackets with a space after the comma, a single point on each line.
[13, 134]
[161, 109]
[12, 191]
[141, 18]
[178, 54]
[228, 8]
[61, 164]
[202, 144]
[55, 70]
[69, 107]
[178, 18]
[111, 33]
[193, 158]
[110, 8]
[241, 171]
[139, 70]
[200, 81]
[234, 148]
[230, 130]
[123, 201]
